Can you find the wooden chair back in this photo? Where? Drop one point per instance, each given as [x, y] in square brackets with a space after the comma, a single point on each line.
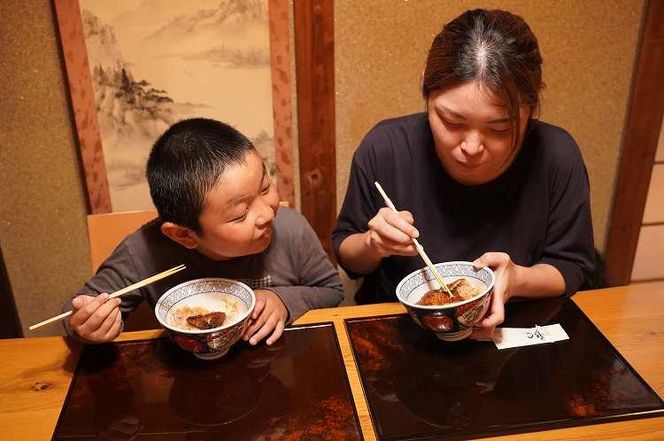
[105, 232]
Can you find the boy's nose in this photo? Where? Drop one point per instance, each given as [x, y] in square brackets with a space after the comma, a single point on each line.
[266, 214]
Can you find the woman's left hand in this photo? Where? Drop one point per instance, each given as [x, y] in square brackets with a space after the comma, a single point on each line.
[506, 281]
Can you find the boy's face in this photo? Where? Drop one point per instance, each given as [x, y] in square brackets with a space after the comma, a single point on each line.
[239, 210]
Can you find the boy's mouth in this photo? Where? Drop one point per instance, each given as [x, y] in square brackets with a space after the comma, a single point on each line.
[266, 233]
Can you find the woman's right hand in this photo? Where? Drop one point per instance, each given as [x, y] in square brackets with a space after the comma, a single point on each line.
[96, 319]
[391, 233]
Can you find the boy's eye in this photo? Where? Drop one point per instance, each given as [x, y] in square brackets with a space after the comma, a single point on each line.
[266, 188]
[242, 217]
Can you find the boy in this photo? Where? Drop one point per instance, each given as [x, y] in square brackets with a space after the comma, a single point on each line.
[218, 216]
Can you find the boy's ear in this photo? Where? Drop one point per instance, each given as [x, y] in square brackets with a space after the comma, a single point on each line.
[182, 235]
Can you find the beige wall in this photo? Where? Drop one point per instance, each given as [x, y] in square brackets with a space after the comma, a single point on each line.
[588, 49]
[42, 208]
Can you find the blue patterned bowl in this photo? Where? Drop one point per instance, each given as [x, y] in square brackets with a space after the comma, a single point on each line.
[210, 293]
[453, 321]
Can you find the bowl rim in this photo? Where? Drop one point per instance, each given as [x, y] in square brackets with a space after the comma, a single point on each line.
[447, 305]
[205, 331]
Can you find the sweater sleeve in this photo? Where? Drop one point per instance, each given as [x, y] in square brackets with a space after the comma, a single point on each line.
[116, 272]
[318, 285]
[569, 244]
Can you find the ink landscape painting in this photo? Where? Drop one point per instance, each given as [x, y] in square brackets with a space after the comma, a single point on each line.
[155, 62]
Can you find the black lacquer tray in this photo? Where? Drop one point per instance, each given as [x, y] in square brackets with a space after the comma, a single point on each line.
[296, 389]
[418, 387]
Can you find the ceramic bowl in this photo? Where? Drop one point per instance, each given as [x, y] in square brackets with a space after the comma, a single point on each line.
[453, 321]
[206, 343]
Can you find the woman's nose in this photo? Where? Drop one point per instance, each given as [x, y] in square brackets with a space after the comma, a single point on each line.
[472, 145]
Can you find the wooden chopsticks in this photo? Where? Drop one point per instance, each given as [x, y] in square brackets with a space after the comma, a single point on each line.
[418, 247]
[118, 293]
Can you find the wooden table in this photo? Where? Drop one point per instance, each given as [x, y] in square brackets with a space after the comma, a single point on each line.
[35, 373]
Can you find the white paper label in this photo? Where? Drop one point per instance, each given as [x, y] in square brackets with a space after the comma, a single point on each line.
[505, 338]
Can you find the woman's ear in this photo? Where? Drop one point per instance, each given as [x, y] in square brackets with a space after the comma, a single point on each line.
[182, 235]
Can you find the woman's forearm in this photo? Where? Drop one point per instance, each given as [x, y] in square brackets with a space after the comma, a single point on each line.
[540, 280]
[356, 255]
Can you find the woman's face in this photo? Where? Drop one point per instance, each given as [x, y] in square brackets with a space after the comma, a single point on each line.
[472, 132]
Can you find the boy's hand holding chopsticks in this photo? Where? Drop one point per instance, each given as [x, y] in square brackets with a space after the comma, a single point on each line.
[99, 317]
[96, 319]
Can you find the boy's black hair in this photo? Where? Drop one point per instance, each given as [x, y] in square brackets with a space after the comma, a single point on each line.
[186, 162]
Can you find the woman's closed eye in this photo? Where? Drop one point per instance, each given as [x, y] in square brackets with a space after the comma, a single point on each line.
[500, 130]
[452, 124]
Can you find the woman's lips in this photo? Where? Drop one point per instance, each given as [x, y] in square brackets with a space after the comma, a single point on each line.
[468, 166]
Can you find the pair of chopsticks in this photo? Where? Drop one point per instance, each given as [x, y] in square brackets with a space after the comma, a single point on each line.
[118, 293]
[418, 247]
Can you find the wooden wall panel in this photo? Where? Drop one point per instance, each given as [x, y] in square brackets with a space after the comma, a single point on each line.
[280, 62]
[314, 60]
[654, 211]
[648, 258]
[83, 103]
[641, 136]
[660, 145]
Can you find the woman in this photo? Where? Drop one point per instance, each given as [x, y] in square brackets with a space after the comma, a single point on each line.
[477, 177]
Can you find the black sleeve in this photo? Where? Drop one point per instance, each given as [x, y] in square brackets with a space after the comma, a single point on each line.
[569, 244]
[359, 204]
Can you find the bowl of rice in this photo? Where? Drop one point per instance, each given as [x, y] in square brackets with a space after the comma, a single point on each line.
[206, 316]
[451, 318]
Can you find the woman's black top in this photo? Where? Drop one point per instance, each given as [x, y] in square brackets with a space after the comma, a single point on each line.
[537, 211]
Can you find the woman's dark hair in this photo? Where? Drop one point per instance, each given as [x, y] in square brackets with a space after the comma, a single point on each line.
[186, 162]
[493, 47]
